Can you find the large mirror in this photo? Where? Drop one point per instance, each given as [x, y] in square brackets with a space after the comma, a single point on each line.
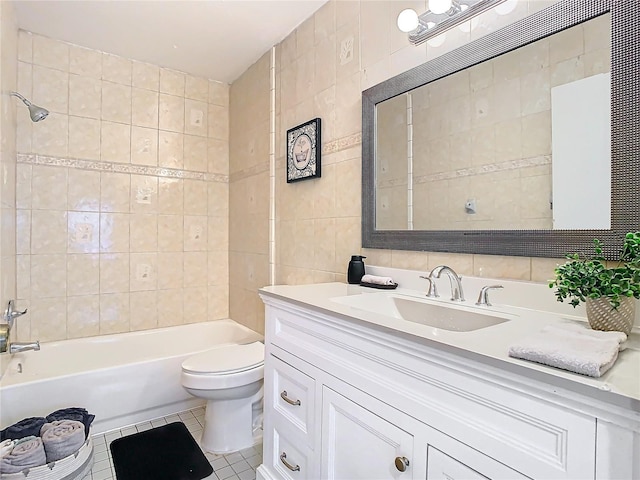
[510, 145]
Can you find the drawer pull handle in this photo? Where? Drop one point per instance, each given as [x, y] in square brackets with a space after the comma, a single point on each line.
[283, 395]
[402, 463]
[293, 468]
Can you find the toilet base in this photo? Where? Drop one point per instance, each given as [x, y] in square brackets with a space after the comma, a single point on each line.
[228, 426]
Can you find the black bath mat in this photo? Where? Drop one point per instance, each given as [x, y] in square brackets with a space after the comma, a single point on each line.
[162, 453]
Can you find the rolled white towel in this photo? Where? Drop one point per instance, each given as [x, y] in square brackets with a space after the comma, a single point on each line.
[62, 438]
[5, 447]
[27, 454]
[568, 349]
[377, 280]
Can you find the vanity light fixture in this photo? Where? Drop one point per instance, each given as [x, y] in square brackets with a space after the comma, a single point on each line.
[441, 16]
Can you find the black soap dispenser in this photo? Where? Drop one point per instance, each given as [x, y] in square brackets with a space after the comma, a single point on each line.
[355, 272]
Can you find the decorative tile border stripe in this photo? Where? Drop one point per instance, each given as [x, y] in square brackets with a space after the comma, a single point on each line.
[35, 159]
[342, 143]
[484, 169]
[249, 172]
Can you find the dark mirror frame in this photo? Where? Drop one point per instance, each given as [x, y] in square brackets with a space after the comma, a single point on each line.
[625, 137]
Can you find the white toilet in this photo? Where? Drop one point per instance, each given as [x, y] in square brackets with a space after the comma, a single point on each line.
[230, 378]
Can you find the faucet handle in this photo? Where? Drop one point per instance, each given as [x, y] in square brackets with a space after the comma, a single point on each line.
[483, 297]
[10, 314]
[433, 291]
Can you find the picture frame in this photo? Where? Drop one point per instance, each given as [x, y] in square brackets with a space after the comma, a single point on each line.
[304, 144]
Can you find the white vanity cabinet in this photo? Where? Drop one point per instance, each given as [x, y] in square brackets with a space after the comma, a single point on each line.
[347, 401]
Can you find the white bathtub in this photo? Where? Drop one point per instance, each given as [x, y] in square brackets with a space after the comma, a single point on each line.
[122, 379]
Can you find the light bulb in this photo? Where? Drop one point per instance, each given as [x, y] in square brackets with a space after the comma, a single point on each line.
[439, 6]
[408, 20]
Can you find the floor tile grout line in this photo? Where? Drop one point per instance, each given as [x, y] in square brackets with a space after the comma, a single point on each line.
[195, 425]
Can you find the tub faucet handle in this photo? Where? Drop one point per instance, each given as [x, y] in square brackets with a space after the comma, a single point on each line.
[10, 314]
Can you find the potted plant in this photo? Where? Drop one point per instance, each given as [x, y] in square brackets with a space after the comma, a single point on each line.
[608, 292]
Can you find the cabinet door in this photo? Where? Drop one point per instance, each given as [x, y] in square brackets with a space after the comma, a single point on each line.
[358, 444]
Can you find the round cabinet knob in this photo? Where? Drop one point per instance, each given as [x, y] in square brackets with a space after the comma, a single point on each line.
[402, 463]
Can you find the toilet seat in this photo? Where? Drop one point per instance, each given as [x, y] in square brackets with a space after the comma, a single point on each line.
[229, 360]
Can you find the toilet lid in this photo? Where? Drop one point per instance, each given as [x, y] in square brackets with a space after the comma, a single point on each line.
[229, 359]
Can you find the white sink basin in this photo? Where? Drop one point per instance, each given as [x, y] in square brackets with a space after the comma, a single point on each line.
[453, 317]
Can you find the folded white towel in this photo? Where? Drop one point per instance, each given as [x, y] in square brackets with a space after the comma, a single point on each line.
[377, 280]
[619, 337]
[578, 350]
[5, 447]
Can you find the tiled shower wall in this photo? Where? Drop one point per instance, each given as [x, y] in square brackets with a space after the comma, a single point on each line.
[8, 106]
[249, 193]
[122, 195]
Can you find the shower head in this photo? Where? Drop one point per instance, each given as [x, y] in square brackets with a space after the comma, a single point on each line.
[35, 112]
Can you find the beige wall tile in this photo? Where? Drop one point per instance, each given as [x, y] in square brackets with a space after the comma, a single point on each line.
[50, 53]
[116, 102]
[218, 93]
[144, 108]
[170, 233]
[49, 188]
[114, 192]
[195, 269]
[84, 138]
[48, 319]
[171, 270]
[144, 146]
[144, 194]
[48, 276]
[518, 268]
[145, 75]
[115, 143]
[51, 137]
[218, 302]
[23, 231]
[25, 46]
[170, 149]
[114, 232]
[170, 307]
[83, 275]
[195, 115]
[85, 96]
[144, 309]
[218, 156]
[144, 272]
[83, 191]
[114, 273]
[218, 122]
[195, 153]
[196, 88]
[172, 82]
[143, 232]
[195, 304]
[195, 233]
[195, 197]
[170, 196]
[85, 62]
[116, 69]
[84, 232]
[83, 316]
[48, 231]
[114, 313]
[171, 113]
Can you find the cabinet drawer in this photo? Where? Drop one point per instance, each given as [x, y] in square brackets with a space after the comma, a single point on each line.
[293, 398]
[443, 467]
[289, 460]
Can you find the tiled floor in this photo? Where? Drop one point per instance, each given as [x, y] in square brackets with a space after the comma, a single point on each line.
[233, 466]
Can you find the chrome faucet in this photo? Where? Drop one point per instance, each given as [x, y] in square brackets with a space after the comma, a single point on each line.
[483, 298]
[457, 295]
[17, 347]
[9, 317]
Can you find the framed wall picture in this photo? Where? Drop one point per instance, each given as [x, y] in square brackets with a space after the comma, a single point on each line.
[303, 151]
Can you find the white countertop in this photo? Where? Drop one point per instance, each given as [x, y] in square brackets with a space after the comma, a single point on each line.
[619, 386]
